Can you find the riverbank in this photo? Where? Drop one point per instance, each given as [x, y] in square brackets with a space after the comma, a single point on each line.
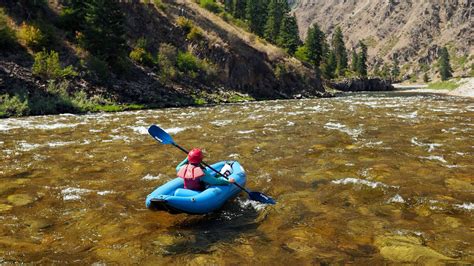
[462, 87]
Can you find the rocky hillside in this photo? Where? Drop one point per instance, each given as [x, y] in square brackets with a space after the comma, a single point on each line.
[176, 53]
[411, 31]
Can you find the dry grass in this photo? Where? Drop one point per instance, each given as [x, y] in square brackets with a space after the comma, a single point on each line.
[273, 52]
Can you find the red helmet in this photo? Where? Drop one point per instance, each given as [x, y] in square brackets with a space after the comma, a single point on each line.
[195, 156]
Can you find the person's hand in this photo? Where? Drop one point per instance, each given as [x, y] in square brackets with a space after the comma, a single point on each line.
[231, 180]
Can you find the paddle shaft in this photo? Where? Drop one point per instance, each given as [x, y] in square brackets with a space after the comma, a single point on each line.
[212, 168]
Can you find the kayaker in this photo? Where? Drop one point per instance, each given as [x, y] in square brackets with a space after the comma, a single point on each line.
[195, 176]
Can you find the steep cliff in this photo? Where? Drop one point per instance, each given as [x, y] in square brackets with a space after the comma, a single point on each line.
[411, 31]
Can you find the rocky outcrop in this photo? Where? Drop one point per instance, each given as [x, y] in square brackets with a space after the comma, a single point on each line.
[412, 31]
[363, 85]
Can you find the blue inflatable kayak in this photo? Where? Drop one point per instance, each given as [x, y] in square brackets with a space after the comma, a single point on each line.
[172, 196]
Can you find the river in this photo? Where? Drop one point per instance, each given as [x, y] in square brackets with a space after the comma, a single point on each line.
[364, 178]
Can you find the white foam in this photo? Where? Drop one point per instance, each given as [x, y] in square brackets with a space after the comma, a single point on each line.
[71, 193]
[431, 146]
[152, 177]
[355, 181]
[60, 143]
[396, 199]
[234, 155]
[24, 146]
[4, 127]
[409, 116]
[221, 123]
[176, 130]
[435, 158]
[337, 126]
[105, 192]
[290, 123]
[250, 203]
[316, 108]
[118, 137]
[245, 131]
[139, 129]
[466, 206]
[372, 144]
[54, 126]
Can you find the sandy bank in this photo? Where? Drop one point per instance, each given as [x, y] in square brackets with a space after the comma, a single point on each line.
[466, 88]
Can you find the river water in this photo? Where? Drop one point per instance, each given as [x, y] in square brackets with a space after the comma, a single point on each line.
[365, 178]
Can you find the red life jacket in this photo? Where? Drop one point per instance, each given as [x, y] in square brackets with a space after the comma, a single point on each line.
[192, 176]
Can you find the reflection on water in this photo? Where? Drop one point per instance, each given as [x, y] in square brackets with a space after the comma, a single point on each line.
[363, 178]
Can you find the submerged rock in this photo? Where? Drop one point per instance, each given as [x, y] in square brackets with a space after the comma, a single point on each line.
[20, 199]
[40, 224]
[407, 249]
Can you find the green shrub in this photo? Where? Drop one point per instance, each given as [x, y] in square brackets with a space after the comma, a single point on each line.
[13, 106]
[47, 66]
[167, 61]
[185, 24]
[140, 55]
[7, 36]
[159, 4]
[37, 36]
[195, 34]
[211, 5]
[302, 54]
[187, 62]
[445, 85]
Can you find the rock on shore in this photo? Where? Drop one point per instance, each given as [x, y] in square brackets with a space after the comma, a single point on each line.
[374, 84]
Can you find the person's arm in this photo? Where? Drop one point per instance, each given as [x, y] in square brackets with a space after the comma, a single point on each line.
[185, 161]
[211, 180]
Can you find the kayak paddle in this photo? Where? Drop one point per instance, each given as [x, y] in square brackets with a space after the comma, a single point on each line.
[161, 136]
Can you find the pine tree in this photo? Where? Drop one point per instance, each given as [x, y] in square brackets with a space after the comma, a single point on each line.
[329, 66]
[362, 60]
[445, 69]
[289, 38]
[395, 71]
[315, 43]
[104, 30]
[276, 13]
[239, 8]
[385, 72]
[229, 6]
[256, 14]
[340, 52]
[354, 61]
[73, 15]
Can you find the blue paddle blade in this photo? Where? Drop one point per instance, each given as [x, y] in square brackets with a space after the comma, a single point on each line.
[160, 135]
[260, 197]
